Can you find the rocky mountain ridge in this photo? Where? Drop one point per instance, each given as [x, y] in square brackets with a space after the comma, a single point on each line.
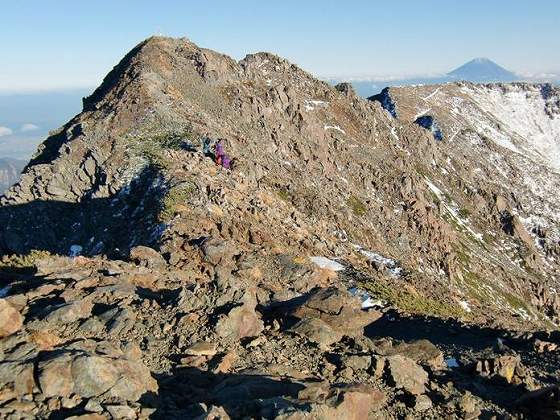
[264, 291]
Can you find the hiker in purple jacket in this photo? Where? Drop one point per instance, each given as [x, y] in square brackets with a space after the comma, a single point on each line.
[221, 158]
[226, 162]
[219, 151]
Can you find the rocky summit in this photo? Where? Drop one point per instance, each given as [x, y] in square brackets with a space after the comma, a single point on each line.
[390, 257]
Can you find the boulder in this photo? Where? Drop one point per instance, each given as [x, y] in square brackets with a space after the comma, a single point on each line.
[217, 251]
[17, 377]
[335, 307]
[346, 402]
[147, 257]
[421, 351]
[241, 322]
[406, 374]
[10, 319]
[90, 369]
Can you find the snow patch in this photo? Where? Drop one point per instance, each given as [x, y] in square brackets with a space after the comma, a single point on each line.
[367, 300]
[312, 104]
[379, 260]
[465, 305]
[334, 127]
[323, 262]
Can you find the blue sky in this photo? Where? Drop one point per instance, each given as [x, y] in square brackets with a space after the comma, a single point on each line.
[65, 44]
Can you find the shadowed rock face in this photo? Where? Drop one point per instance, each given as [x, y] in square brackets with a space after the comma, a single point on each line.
[342, 229]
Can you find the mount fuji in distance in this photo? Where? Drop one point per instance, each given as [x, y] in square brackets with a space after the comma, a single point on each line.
[478, 70]
[482, 70]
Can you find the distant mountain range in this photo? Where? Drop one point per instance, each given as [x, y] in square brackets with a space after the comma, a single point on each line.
[478, 70]
[10, 169]
[26, 118]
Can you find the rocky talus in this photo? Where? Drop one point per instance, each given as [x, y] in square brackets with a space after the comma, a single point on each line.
[357, 261]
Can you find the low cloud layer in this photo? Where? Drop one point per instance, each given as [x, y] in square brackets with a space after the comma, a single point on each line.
[28, 127]
[5, 131]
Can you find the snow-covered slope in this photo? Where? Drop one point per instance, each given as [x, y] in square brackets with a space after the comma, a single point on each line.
[526, 124]
[496, 173]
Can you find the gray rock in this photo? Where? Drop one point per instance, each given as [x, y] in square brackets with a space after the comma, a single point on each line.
[121, 411]
[90, 369]
[406, 374]
[70, 312]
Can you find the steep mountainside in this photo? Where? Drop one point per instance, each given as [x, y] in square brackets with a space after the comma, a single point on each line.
[417, 213]
[10, 170]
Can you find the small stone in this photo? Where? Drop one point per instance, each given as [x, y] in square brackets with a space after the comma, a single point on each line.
[422, 403]
[121, 411]
[202, 348]
[72, 402]
[357, 362]
[93, 406]
[226, 363]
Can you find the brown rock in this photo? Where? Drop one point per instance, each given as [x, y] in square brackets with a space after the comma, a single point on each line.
[45, 339]
[217, 251]
[17, 377]
[349, 402]
[214, 413]
[318, 331]
[240, 322]
[226, 362]
[335, 307]
[544, 346]
[10, 319]
[507, 367]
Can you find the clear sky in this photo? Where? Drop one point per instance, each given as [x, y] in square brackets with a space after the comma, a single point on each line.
[46, 44]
